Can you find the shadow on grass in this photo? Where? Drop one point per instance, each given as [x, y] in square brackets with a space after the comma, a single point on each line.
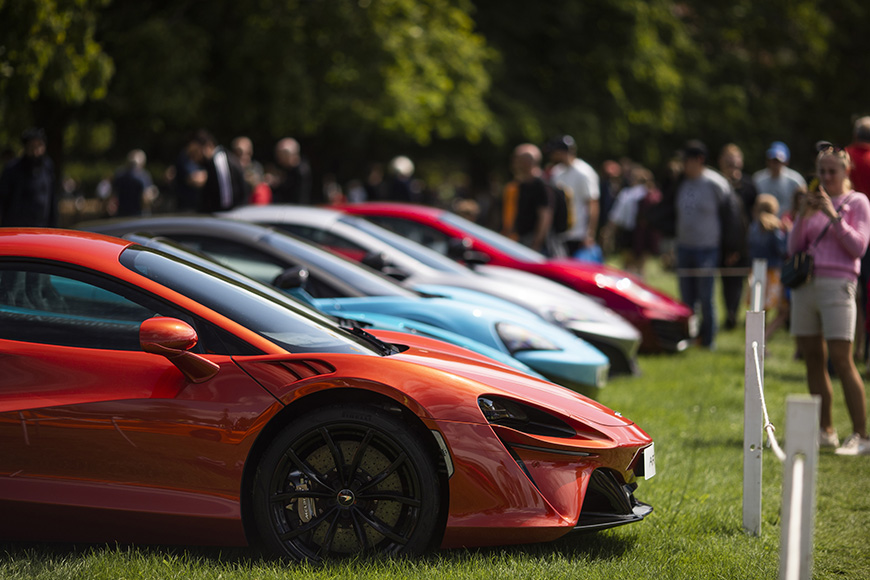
[600, 546]
[55, 551]
[588, 546]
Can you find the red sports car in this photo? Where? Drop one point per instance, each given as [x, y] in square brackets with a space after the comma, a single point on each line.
[145, 398]
[665, 324]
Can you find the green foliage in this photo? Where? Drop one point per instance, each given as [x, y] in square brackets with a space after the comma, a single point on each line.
[606, 72]
[761, 62]
[48, 52]
[362, 79]
[300, 67]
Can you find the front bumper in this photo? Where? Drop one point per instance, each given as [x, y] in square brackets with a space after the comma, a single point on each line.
[513, 488]
[608, 504]
[670, 335]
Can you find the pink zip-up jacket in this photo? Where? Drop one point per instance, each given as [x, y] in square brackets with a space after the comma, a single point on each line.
[838, 253]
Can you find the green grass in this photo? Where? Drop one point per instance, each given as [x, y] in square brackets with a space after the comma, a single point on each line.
[692, 405]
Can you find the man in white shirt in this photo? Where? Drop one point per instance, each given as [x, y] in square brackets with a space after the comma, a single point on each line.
[580, 181]
[778, 179]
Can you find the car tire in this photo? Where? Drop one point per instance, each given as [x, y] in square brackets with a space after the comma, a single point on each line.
[345, 481]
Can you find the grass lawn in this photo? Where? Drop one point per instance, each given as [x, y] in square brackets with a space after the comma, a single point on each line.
[692, 405]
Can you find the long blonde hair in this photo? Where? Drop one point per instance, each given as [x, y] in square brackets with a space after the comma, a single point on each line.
[767, 211]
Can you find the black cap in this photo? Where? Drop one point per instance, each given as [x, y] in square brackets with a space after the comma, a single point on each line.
[562, 143]
[31, 134]
[694, 149]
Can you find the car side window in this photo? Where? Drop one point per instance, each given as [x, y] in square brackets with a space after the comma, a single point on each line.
[253, 263]
[420, 233]
[321, 237]
[250, 262]
[51, 308]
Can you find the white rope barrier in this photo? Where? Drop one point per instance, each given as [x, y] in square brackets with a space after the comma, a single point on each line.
[768, 426]
[799, 460]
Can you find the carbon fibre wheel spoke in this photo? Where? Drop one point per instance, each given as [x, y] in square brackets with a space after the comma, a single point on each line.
[326, 547]
[385, 474]
[304, 529]
[380, 527]
[359, 529]
[360, 451]
[308, 470]
[337, 456]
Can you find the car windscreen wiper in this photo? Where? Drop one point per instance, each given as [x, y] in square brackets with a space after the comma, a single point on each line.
[385, 348]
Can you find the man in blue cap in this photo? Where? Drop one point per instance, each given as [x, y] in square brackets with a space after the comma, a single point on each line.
[778, 179]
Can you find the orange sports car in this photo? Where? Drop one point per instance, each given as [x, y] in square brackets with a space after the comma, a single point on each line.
[145, 398]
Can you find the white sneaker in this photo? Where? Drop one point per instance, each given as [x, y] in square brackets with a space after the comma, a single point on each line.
[854, 444]
[828, 439]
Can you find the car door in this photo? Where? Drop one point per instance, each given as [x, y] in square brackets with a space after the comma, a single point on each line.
[88, 419]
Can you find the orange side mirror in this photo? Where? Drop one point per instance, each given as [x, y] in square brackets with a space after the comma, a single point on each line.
[173, 339]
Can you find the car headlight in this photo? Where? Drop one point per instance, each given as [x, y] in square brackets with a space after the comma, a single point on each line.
[517, 338]
[500, 410]
[627, 286]
[523, 418]
[562, 316]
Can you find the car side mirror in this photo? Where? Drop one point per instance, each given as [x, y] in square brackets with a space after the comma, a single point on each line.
[457, 247]
[474, 258]
[173, 339]
[291, 278]
[375, 260]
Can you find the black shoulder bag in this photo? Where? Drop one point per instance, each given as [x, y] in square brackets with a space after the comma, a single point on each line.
[798, 269]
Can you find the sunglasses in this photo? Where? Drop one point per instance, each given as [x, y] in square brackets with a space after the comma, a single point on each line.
[828, 171]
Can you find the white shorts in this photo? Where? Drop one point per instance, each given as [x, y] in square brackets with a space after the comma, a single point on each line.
[825, 307]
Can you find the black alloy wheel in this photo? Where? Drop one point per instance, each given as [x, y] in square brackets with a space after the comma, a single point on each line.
[345, 481]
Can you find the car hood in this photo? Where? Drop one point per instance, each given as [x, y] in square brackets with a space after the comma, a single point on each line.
[396, 324]
[495, 379]
[570, 310]
[471, 320]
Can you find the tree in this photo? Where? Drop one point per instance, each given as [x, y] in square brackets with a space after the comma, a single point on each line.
[605, 72]
[346, 71]
[50, 64]
[757, 76]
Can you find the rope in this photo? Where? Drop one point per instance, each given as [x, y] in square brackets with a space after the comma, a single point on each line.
[768, 426]
[726, 272]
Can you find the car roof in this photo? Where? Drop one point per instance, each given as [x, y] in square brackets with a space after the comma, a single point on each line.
[397, 208]
[279, 212]
[206, 222]
[80, 247]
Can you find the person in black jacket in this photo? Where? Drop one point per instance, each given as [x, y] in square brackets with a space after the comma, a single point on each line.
[225, 180]
[28, 186]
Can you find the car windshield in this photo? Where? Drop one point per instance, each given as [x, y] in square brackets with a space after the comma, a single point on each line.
[417, 251]
[267, 312]
[514, 249]
[366, 281]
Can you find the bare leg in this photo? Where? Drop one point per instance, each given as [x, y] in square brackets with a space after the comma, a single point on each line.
[782, 315]
[815, 356]
[853, 386]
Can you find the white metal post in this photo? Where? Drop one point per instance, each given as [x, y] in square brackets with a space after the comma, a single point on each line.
[799, 487]
[759, 284]
[753, 422]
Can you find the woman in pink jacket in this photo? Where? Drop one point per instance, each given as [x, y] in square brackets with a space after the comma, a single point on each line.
[824, 310]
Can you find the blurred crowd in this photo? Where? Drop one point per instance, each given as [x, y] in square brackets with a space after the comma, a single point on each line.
[704, 216]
